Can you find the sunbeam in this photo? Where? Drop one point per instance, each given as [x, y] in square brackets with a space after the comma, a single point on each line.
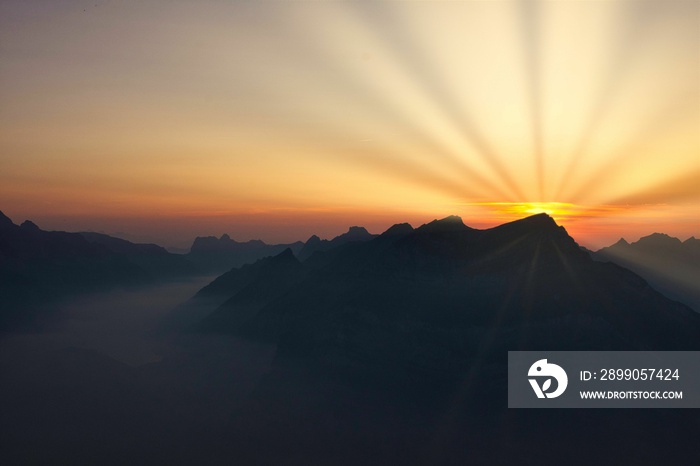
[490, 110]
[656, 127]
[636, 24]
[685, 187]
[421, 66]
[530, 20]
[384, 106]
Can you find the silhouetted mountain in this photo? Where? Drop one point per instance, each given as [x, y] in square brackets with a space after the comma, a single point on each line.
[409, 299]
[669, 265]
[400, 229]
[218, 255]
[233, 281]
[423, 299]
[283, 267]
[258, 281]
[316, 244]
[388, 351]
[692, 245]
[408, 334]
[221, 254]
[152, 258]
[38, 267]
[5, 221]
[272, 278]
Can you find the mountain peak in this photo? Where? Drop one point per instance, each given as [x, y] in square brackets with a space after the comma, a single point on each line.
[398, 229]
[621, 242]
[658, 240]
[619, 247]
[451, 223]
[451, 219]
[29, 226]
[354, 233]
[204, 244]
[285, 256]
[313, 240]
[225, 237]
[691, 240]
[539, 219]
[5, 220]
[537, 222]
[657, 235]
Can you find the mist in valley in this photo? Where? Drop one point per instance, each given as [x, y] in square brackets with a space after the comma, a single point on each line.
[102, 380]
[121, 324]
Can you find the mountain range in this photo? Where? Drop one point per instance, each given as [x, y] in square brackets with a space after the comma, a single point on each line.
[373, 349]
[218, 255]
[670, 265]
[315, 244]
[402, 341]
[39, 268]
[424, 296]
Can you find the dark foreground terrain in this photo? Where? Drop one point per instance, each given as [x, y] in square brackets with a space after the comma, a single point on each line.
[389, 350]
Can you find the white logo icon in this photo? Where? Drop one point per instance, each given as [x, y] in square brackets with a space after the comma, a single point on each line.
[543, 369]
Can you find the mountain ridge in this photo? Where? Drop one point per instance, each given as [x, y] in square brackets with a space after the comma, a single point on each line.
[526, 282]
[39, 268]
[315, 244]
[669, 264]
[219, 255]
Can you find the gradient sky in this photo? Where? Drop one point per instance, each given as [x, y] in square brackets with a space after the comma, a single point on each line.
[279, 119]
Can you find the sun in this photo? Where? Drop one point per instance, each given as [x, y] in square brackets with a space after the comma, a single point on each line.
[553, 209]
[515, 210]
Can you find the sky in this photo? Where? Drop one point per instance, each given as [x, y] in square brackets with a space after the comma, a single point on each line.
[162, 120]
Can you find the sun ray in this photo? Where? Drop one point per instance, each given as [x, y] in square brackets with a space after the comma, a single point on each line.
[423, 69]
[495, 110]
[389, 108]
[636, 20]
[653, 129]
[530, 21]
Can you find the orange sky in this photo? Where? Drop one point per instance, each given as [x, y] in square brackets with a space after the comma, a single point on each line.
[277, 120]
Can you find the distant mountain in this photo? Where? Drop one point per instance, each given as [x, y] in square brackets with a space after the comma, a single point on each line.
[668, 264]
[218, 255]
[152, 258]
[39, 267]
[316, 244]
